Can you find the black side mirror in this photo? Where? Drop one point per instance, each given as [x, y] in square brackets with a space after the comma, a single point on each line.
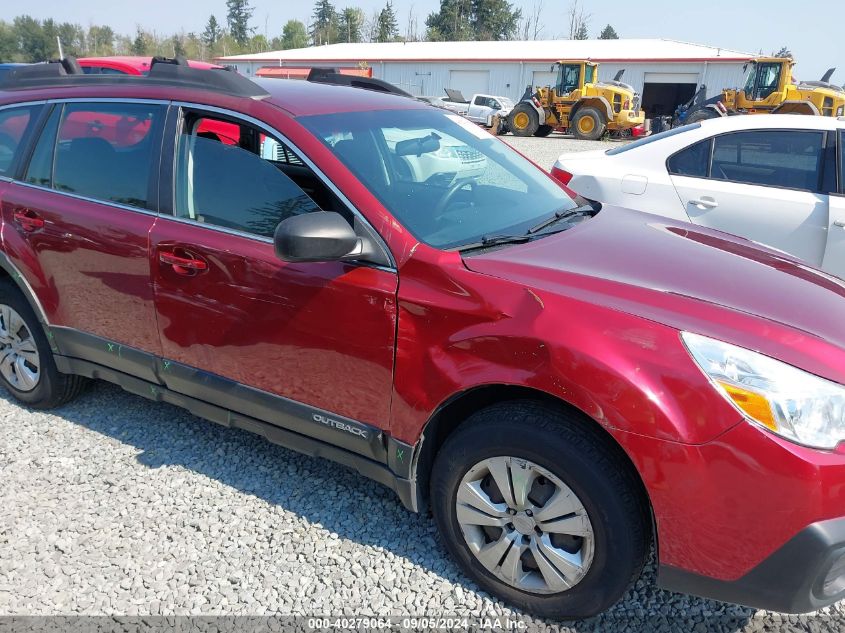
[316, 237]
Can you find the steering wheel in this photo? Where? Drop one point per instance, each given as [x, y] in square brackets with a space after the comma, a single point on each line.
[446, 199]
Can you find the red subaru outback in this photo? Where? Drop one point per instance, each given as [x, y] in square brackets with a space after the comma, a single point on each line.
[365, 278]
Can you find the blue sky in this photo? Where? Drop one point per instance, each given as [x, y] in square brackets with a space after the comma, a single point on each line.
[813, 31]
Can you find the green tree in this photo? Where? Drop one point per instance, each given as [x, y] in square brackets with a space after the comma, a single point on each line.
[212, 32]
[9, 51]
[324, 24]
[100, 39]
[608, 33]
[494, 19]
[387, 27]
[294, 35]
[581, 33]
[141, 44]
[32, 43]
[238, 15]
[452, 22]
[350, 25]
[178, 44]
[783, 52]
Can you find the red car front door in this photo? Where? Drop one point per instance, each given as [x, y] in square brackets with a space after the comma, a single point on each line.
[307, 346]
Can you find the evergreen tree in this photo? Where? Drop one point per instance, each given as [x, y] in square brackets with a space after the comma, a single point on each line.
[294, 35]
[388, 27]
[581, 33]
[608, 33]
[140, 44]
[212, 32]
[237, 18]
[494, 19]
[452, 22]
[783, 52]
[324, 25]
[350, 25]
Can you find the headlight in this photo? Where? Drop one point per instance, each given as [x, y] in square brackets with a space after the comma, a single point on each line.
[789, 401]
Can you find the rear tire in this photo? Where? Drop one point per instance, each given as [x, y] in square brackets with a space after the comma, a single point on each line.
[523, 120]
[27, 368]
[544, 130]
[588, 124]
[527, 441]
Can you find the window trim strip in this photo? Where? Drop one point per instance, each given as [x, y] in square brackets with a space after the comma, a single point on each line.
[301, 155]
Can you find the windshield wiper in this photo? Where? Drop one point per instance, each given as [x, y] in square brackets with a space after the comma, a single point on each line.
[560, 215]
[494, 240]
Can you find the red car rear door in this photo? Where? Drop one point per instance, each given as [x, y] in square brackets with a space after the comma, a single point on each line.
[77, 227]
[306, 346]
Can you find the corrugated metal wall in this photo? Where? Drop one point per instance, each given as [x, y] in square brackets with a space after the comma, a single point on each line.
[510, 79]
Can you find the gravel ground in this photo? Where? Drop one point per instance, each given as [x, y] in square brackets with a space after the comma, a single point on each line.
[544, 151]
[115, 505]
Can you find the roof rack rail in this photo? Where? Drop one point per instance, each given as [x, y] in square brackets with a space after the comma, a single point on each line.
[331, 76]
[164, 71]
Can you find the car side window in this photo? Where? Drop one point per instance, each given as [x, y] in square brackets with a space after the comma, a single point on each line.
[104, 151]
[771, 158]
[40, 169]
[13, 125]
[694, 161]
[234, 176]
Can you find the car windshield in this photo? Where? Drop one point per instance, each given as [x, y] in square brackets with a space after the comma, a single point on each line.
[447, 180]
[505, 102]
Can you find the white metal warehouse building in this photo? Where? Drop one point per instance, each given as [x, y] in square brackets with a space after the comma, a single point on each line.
[665, 72]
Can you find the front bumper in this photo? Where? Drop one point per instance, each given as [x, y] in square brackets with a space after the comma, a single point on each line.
[626, 119]
[805, 574]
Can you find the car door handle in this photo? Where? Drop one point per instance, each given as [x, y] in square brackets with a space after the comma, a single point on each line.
[840, 224]
[184, 265]
[28, 219]
[705, 202]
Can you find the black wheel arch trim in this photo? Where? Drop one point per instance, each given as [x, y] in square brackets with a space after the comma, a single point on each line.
[23, 285]
[789, 580]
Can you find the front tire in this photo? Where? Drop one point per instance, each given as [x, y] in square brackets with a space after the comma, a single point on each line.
[540, 510]
[523, 120]
[27, 368]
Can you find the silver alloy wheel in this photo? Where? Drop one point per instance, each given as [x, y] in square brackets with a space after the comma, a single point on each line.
[525, 525]
[20, 364]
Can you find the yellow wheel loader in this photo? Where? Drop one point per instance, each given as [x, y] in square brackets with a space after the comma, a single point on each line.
[578, 103]
[769, 89]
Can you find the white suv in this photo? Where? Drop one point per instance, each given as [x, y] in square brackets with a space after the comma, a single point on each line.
[776, 179]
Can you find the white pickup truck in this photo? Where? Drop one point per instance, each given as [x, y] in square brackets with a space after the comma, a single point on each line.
[480, 109]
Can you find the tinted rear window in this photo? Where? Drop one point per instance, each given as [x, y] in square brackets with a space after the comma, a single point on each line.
[105, 151]
[652, 139]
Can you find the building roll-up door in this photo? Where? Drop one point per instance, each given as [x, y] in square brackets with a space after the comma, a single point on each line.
[469, 82]
[663, 92]
[543, 78]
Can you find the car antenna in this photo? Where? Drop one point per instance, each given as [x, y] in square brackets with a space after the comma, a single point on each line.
[61, 52]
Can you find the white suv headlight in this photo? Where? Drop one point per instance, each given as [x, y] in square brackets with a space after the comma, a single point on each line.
[791, 402]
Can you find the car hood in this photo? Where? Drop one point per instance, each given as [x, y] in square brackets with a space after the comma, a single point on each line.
[677, 274]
